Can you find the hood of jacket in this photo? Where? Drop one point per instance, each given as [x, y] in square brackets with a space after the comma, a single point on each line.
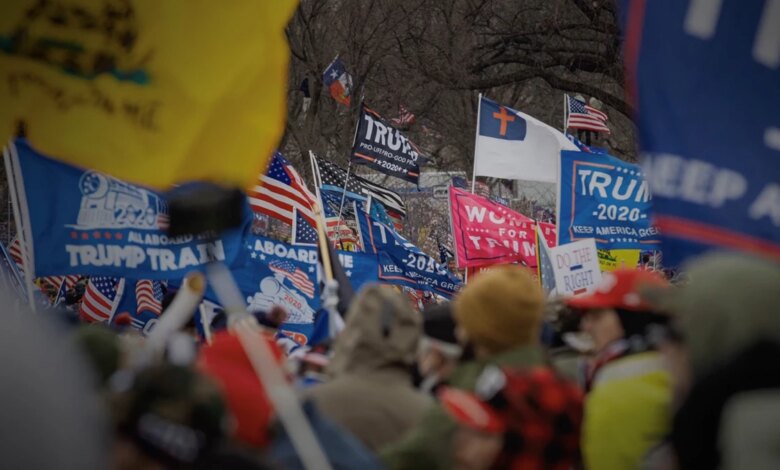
[729, 304]
[381, 331]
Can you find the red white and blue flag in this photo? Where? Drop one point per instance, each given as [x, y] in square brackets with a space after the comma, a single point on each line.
[296, 275]
[583, 116]
[338, 81]
[281, 192]
[100, 299]
[57, 282]
[148, 295]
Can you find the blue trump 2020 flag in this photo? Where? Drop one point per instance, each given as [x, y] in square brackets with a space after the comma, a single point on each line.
[89, 223]
[706, 78]
[604, 198]
[402, 263]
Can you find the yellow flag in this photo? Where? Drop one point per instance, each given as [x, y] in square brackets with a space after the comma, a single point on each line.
[611, 260]
[152, 91]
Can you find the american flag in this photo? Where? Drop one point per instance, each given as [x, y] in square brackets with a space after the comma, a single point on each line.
[331, 177]
[335, 226]
[582, 116]
[281, 191]
[99, 301]
[302, 232]
[405, 117]
[15, 251]
[296, 275]
[58, 281]
[148, 296]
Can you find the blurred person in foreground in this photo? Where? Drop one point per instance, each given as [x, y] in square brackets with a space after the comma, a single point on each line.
[439, 350]
[725, 351]
[53, 416]
[516, 419]
[370, 390]
[627, 408]
[498, 316]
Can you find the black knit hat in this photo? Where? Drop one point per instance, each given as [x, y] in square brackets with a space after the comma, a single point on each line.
[439, 324]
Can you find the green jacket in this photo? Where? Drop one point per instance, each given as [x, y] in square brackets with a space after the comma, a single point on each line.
[428, 445]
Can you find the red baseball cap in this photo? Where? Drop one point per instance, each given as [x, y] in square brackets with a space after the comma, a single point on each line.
[620, 289]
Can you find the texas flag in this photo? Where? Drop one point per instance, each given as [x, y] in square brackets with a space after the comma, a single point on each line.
[338, 81]
[514, 145]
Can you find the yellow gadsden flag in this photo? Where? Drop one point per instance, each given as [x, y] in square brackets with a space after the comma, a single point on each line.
[152, 91]
[611, 260]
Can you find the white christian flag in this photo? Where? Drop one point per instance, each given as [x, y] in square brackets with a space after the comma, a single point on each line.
[513, 145]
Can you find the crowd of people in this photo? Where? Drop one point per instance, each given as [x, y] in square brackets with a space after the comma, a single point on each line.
[640, 373]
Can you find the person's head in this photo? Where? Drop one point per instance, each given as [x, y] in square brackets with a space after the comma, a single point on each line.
[729, 302]
[166, 416]
[439, 349]
[381, 331]
[616, 310]
[516, 418]
[499, 310]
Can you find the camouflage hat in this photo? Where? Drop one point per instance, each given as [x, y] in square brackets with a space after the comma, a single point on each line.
[172, 413]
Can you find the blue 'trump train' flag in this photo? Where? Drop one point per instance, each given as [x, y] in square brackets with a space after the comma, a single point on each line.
[85, 222]
[277, 273]
[706, 83]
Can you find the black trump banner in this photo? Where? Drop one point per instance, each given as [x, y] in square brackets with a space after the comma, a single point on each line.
[384, 148]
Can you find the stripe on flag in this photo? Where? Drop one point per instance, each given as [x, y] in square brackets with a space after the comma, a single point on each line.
[583, 116]
[98, 304]
[281, 192]
[299, 278]
[148, 295]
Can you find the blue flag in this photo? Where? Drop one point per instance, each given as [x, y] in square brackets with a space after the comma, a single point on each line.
[604, 198]
[707, 92]
[402, 263]
[85, 222]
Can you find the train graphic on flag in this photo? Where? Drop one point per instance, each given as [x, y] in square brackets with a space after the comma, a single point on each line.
[107, 202]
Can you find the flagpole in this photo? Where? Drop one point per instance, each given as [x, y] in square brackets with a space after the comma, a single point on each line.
[24, 245]
[476, 139]
[565, 111]
[321, 235]
[349, 167]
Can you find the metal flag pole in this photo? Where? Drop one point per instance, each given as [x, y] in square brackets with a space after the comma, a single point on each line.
[565, 111]
[349, 167]
[476, 139]
[474, 167]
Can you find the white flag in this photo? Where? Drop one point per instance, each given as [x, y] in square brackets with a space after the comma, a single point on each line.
[513, 145]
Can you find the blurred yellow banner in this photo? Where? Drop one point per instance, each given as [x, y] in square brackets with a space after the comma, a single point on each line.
[610, 260]
[155, 92]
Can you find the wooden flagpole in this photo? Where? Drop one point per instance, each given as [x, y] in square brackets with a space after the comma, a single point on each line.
[322, 235]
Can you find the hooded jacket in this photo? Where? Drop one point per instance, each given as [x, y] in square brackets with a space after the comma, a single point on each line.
[728, 316]
[370, 392]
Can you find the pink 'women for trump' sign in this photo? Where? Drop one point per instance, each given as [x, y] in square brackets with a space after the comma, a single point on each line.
[487, 232]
